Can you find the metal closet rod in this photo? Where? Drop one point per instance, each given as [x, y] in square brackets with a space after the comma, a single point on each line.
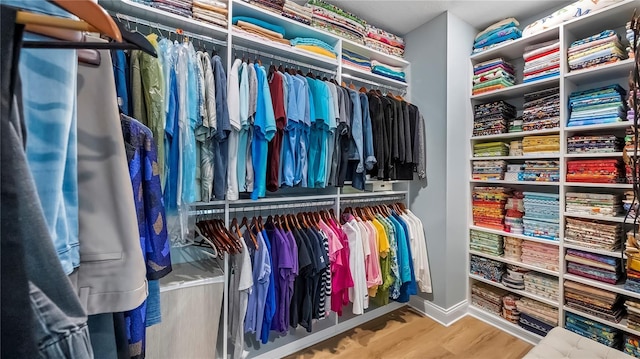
[283, 59]
[369, 82]
[281, 206]
[155, 25]
[201, 212]
[372, 199]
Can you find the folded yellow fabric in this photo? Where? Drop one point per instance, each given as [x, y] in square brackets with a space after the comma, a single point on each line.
[318, 50]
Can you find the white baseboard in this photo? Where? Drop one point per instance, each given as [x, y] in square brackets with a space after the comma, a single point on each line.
[441, 315]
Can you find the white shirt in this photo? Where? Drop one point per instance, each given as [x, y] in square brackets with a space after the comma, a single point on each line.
[419, 253]
[233, 102]
[358, 293]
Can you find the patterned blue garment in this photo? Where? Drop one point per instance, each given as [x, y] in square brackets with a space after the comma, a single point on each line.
[145, 179]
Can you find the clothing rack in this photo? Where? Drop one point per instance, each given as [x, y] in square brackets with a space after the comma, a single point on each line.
[281, 206]
[373, 199]
[155, 25]
[202, 212]
[283, 59]
[402, 91]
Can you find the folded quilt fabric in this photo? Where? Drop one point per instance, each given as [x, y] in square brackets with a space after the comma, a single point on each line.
[492, 75]
[541, 145]
[488, 298]
[541, 61]
[276, 6]
[594, 301]
[593, 330]
[536, 316]
[541, 284]
[490, 149]
[597, 106]
[541, 110]
[337, 21]
[314, 45]
[592, 234]
[384, 41]
[492, 118]
[541, 255]
[486, 242]
[211, 11]
[594, 144]
[488, 206]
[299, 13]
[541, 217]
[540, 171]
[489, 170]
[392, 72]
[594, 266]
[496, 34]
[599, 49]
[607, 170]
[356, 60]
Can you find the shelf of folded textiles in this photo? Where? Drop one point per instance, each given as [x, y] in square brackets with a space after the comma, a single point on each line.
[145, 12]
[523, 293]
[515, 49]
[601, 73]
[616, 288]
[618, 219]
[514, 262]
[530, 183]
[497, 136]
[571, 245]
[373, 54]
[514, 235]
[622, 325]
[516, 91]
[260, 44]
[599, 185]
[593, 155]
[604, 126]
[502, 323]
[349, 72]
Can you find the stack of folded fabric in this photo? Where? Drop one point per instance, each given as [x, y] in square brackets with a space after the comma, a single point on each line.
[594, 144]
[606, 170]
[492, 75]
[597, 106]
[541, 171]
[545, 256]
[630, 204]
[631, 345]
[593, 330]
[514, 277]
[542, 213]
[541, 145]
[633, 313]
[630, 38]
[178, 7]
[488, 206]
[515, 148]
[392, 72]
[594, 204]
[384, 41]
[630, 139]
[259, 28]
[537, 317]
[594, 301]
[509, 308]
[490, 149]
[487, 268]
[593, 234]
[297, 12]
[594, 266]
[496, 34]
[355, 60]
[541, 61]
[316, 46]
[599, 49]
[514, 172]
[276, 6]
[486, 243]
[487, 297]
[541, 110]
[492, 118]
[515, 125]
[332, 19]
[542, 285]
[631, 112]
[212, 11]
[632, 250]
[512, 248]
[514, 212]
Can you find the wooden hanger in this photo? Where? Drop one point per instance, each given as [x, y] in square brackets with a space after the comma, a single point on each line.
[343, 84]
[245, 223]
[234, 227]
[352, 86]
[363, 90]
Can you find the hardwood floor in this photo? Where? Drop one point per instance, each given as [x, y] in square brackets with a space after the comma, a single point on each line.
[406, 334]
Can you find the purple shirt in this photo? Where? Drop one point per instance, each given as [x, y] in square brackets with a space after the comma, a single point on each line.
[283, 264]
[258, 296]
[293, 254]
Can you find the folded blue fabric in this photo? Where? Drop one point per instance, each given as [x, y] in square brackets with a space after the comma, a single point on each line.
[379, 71]
[389, 71]
[258, 22]
[538, 78]
[510, 33]
[505, 26]
[313, 41]
[354, 56]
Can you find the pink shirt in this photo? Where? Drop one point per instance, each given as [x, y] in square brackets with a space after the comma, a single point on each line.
[372, 262]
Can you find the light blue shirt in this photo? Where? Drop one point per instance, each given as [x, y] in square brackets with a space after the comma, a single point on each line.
[265, 129]
[289, 142]
[258, 296]
[188, 142]
[304, 107]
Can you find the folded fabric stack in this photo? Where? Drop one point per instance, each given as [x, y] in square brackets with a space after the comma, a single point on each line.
[542, 211]
[630, 204]
[515, 125]
[606, 170]
[599, 49]
[514, 213]
[537, 317]
[594, 301]
[486, 243]
[631, 112]
[541, 171]
[492, 118]
[331, 18]
[632, 250]
[316, 46]
[597, 106]
[514, 277]
[490, 149]
[211, 11]
[496, 34]
[593, 330]
[178, 7]
[630, 38]
[492, 75]
[487, 297]
[297, 12]
[592, 234]
[594, 266]
[541, 255]
[358, 61]
[541, 110]
[512, 248]
[509, 308]
[392, 72]
[633, 313]
[487, 268]
[489, 170]
[542, 285]
[260, 28]
[594, 204]
[514, 172]
[488, 206]
[594, 144]
[541, 145]
[276, 6]
[384, 41]
[515, 148]
[541, 61]
[631, 345]
[629, 139]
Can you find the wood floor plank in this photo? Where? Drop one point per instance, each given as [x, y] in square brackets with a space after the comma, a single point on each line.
[407, 335]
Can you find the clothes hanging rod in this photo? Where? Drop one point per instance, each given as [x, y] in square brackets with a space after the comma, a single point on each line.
[272, 207]
[201, 212]
[373, 83]
[155, 25]
[372, 199]
[283, 59]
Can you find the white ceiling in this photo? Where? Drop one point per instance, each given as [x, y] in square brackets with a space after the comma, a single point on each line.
[400, 16]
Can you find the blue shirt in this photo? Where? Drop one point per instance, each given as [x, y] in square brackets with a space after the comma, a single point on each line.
[265, 129]
[270, 301]
[172, 145]
[220, 144]
[409, 287]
